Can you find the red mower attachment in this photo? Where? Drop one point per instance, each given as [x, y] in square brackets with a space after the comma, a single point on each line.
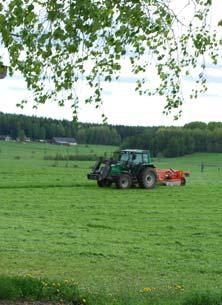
[171, 176]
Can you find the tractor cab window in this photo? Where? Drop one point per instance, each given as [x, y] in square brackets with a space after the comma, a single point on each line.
[137, 158]
[145, 158]
[124, 157]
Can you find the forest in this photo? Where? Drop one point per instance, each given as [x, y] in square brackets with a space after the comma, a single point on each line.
[160, 140]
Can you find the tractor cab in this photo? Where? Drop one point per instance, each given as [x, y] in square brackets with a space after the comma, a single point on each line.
[135, 156]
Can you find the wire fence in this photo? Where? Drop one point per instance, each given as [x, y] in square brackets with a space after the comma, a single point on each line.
[204, 166]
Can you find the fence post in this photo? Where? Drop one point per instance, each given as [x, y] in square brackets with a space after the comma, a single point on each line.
[202, 167]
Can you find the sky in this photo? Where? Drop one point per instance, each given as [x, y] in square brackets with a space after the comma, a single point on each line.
[122, 105]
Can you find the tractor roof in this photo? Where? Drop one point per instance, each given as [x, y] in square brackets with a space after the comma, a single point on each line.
[137, 151]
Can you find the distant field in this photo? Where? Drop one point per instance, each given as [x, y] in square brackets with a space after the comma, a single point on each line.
[23, 164]
[55, 223]
[27, 150]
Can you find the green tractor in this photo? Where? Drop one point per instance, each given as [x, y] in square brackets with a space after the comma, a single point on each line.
[132, 167]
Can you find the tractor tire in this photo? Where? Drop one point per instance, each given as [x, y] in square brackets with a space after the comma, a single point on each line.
[124, 181]
[183, 182]
[104, 183]
[147, 178]
[105, 172]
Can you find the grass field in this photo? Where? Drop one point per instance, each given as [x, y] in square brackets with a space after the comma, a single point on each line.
[58, 225]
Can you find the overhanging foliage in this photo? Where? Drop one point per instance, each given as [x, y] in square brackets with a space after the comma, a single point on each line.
[57, 44]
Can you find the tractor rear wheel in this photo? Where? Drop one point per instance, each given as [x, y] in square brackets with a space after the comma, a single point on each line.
[124, 181]
[147, 178]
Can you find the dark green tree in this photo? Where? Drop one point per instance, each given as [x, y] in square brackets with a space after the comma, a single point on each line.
[195, 125]
[21, 135]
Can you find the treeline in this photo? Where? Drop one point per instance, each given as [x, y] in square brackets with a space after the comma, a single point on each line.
[165, 141]
[21, 126]
[33, 127]
[179, 141]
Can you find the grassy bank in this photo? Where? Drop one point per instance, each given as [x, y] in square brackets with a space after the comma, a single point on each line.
[32, 289]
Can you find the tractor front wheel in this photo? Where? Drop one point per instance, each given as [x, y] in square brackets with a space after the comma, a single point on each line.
[147, 179]
[104, 183]
[124, 182]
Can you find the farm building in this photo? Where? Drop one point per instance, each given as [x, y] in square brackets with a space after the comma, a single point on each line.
[64, 141]
[23, 139]
[5, 138]
[27, 139]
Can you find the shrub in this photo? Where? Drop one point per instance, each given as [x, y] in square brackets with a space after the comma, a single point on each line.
[29, 288]
[79, 157]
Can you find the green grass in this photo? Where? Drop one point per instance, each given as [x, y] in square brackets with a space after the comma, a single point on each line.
[56, 224]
